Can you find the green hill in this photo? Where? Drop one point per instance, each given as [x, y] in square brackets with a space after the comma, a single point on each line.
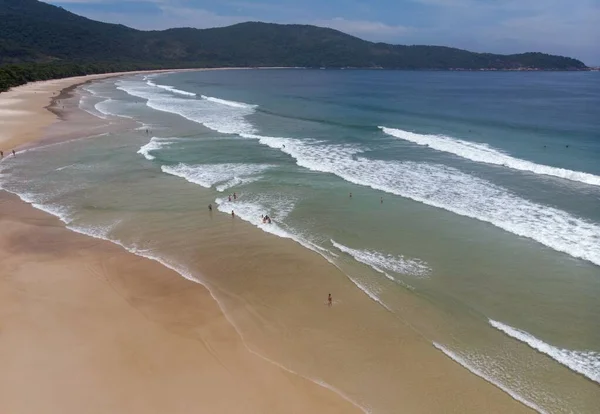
[55, 39]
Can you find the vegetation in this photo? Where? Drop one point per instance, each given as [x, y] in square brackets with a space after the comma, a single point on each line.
[40, 41]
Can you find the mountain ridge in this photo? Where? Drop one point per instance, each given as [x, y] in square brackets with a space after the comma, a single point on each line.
[34, 35]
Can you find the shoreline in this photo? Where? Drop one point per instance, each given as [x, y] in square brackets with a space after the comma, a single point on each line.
[453, 372]
[37, 232]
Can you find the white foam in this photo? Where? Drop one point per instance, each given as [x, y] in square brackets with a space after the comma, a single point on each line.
[450, 189]
[237, 182]
[90, 109]
[586, 363]
[103, 232]
[233, 104]
[382, 263]
[104, 108]
[170, 89]
[486, 154]
[208, 175]
[155, 144]
[462, 361]
[223, 118]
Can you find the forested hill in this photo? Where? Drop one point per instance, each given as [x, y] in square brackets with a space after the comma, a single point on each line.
[33, 31]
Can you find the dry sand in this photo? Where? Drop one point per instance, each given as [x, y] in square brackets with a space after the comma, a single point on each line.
[87, 327]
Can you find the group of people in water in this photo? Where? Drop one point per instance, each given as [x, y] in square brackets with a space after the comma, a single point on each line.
[2, 153]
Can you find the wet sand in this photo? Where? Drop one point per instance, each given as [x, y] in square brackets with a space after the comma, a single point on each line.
[87, 327]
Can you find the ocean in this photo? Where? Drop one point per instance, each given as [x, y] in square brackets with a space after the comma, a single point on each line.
[475, 195]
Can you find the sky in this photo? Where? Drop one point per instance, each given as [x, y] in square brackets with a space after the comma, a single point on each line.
[562, 27]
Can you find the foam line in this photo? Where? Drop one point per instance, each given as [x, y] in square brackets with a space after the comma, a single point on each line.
[586, 363]
[484, 153]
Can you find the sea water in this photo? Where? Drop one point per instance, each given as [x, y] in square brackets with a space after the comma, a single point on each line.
[478, 193]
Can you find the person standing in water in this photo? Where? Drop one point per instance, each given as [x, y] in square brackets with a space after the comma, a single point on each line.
[232, 214]
[1, 154]
[329, 300]
[229, 197]
[381, 200]
[210, 207]
[350, 195]
[234, 196]
[14, 153]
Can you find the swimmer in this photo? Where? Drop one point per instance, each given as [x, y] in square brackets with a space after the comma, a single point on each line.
[350, 195]
[329, 300]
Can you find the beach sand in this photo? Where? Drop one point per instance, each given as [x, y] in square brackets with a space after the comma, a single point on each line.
[87, 327]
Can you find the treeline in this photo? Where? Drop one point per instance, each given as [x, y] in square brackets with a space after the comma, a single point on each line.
[15, 75]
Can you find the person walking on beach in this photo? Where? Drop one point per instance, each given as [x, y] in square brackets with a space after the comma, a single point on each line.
[210, 207]
[329, 300]
[232, 214]
[1, 154]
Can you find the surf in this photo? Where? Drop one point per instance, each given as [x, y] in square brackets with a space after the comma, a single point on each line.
[384, 263]
[486, 154]
[449, 189]
[155, 144]
[223, 176]
[217, 116]
[473, 369]
[171, 89]
[233, 104]
[586, 363]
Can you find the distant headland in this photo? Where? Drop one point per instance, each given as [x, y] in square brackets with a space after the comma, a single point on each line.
[40, 41]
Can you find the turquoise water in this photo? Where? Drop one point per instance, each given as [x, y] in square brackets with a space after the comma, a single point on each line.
[478, 193]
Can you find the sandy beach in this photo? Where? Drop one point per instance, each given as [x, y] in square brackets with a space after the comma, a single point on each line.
[86, 326]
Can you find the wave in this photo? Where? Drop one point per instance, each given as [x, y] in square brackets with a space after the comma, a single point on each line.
[223, 118]
[486, 154]
[155, 144]
[384, 263]
[208, 175]
[103, 108]
[90, 109]
[586, 363]
[450, 189]
[462, 361]
[237, 182]
[170, 89]
[233, 104]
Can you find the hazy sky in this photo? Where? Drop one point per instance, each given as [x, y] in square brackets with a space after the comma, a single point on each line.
[564, 27]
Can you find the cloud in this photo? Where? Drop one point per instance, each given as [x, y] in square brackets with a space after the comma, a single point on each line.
[363, 28]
